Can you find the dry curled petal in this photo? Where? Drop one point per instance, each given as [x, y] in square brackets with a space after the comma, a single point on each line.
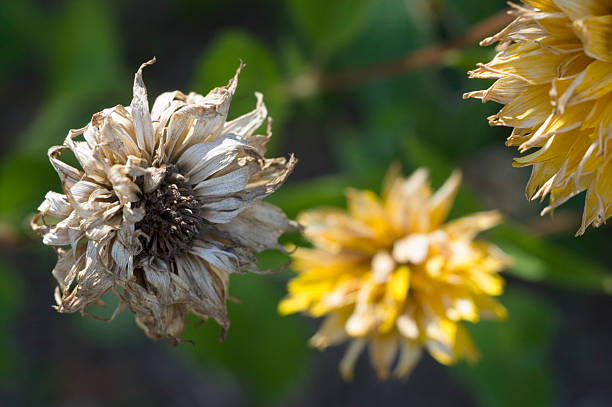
[553, 75]
[167, 204]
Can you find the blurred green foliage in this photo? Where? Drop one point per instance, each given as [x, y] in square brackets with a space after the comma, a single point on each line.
[221, 59]
[328, 26]
[81, 64]
[417, 119]
[265, 350]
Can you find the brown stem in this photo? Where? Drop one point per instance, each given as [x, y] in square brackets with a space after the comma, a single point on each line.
[418, 59]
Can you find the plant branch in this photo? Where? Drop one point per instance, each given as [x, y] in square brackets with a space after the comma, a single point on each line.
[419, 59]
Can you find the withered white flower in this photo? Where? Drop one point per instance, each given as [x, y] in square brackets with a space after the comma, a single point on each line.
[166, 206]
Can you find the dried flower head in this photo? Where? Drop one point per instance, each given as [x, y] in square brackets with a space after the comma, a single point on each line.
[390, 273]
[166, 206]
[554, 76]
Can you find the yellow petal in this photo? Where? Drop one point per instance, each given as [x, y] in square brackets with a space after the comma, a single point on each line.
[596, 33]
[367, 207]
[330, 333]
[527, 110]
[399, 284]
[382, 267]
[442, 201]
[526, 61]
[441, 345]
[490, 284]
[571, 119]
[410, 353]
[347, 364]
[405, 203]
[383, 350]
[464, 346]
[503, 90]
[333, 229]
[469, 226]
[407, 326]
[293, 304]
[544, 5]
[577, 9]
[540, 175]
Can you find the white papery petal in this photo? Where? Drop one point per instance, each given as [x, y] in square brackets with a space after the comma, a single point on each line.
[202, 160]
[158, 275]
[219, 258]
[64, 233]
[90, 160]
[68, 263]
[202, 286]
[226, 184]
[93, 282]
[68, 175]
[117, 133]
[141, 117]
[55, 205]
[209, 113]
[259, 227]
[162, 104]
[224, 210]
[245, 125]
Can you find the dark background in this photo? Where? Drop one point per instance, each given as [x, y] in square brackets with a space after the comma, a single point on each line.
[62, 61]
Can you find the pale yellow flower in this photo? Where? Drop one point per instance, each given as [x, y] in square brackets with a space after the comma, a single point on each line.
[390, 273]
[167, 205]
[554, 76]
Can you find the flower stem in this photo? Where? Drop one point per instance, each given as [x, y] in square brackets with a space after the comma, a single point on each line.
[418, 59]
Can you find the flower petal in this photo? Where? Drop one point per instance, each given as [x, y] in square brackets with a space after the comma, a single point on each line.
[139, 108]
[347, 364]
[245, 125]
[577, 9]
[259, 227]
[596, 34]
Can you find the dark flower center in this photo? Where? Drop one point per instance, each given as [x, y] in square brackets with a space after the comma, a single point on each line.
[171, 220]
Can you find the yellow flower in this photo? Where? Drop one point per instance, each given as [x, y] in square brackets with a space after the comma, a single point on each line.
[554, 76]
[390, 273]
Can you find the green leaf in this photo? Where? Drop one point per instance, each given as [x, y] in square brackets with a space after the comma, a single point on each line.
[266, 351]
[330, 25]
[391, 30]
[84, 72]
[18, 39]
[515, 366]
[261, 74]
[85, 45]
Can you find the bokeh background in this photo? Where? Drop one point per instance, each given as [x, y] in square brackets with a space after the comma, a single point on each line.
[62, 61]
